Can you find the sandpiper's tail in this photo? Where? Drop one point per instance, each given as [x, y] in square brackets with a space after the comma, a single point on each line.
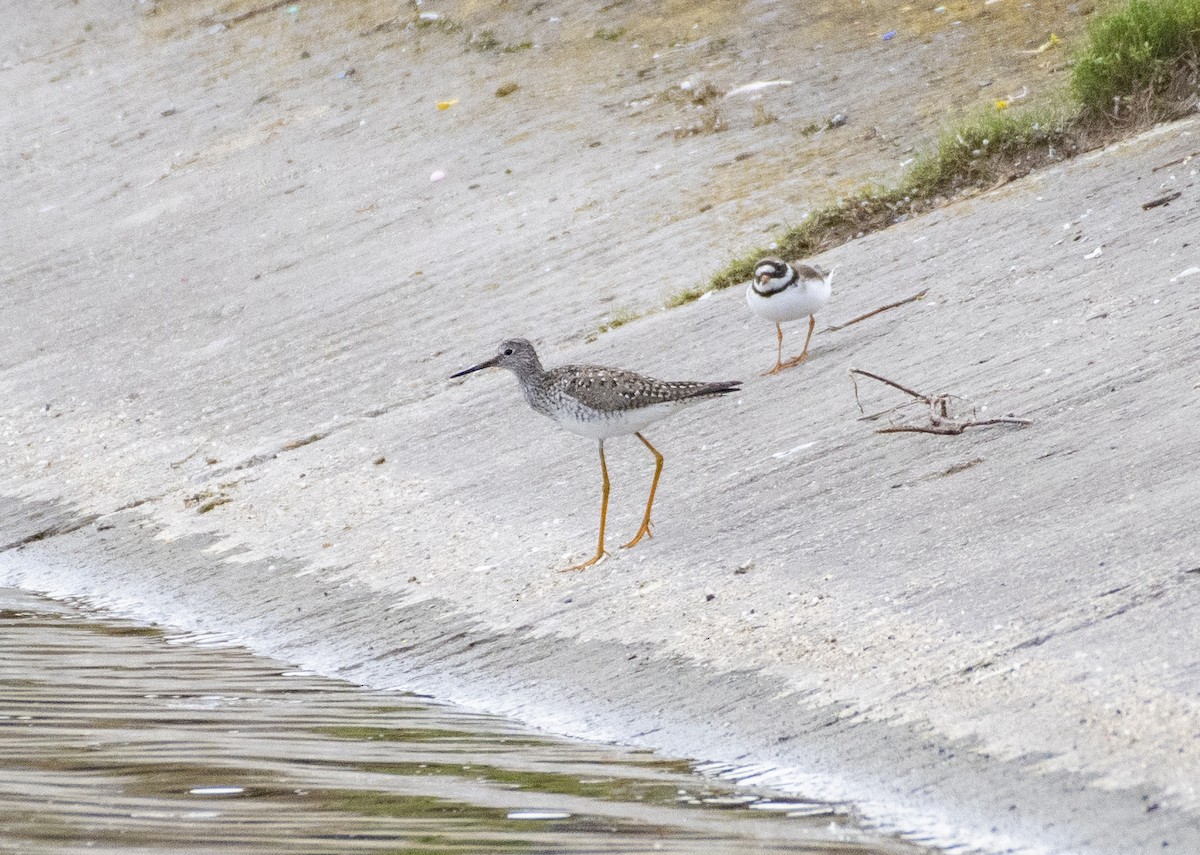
[721, 387]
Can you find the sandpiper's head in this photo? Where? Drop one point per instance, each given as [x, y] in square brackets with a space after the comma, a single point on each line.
[771, 269]
[515, 354]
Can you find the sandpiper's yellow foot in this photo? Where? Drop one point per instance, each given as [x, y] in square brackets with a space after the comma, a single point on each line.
[779, 366]
[794, 361]
[644, 531]
[600, 553]
[585, 565]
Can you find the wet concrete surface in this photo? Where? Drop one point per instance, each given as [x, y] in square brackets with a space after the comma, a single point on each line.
[121, 738]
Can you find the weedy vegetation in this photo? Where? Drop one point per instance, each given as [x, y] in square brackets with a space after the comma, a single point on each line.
[619, 319]
[1140, 64]
[609, 35]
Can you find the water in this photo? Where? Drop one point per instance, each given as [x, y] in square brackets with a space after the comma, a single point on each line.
[119, 738]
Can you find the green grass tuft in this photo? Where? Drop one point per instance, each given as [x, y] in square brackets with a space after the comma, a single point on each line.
[484, 40]
[988, 146]
[1141, 62]
[1144, 58]
[619, 319]
[609, 35]
[682, 298]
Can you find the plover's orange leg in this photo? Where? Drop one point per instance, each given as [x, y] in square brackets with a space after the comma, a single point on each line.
[600, 553]
[779, 366]
[644, 531]
[796, 360]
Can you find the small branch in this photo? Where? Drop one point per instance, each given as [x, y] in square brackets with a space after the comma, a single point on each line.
[261, 10]
[1176, 161]
[1001, 420]
[864, 417]
[953, 428]
[891, 383]
[74, 44]
[940, 421]
[944, 430]
[1162, 200]
[179, 463]
[873, 416]
[874, 312]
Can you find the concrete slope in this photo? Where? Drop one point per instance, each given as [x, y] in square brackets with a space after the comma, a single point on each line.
[223, 404]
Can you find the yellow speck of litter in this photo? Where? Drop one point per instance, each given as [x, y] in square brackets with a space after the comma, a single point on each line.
[1002, 104]
[446, 105]
[1049, 43]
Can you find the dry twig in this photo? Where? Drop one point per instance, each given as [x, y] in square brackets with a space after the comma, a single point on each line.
[874, 312]
[1162, 200]
[179, 463]
[940, 420]
[261, 10]
[1176, 161]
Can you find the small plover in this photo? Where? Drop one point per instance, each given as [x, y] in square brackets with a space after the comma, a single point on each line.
[785, 292]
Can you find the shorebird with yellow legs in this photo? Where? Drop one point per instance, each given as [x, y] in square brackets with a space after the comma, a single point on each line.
[600, 403]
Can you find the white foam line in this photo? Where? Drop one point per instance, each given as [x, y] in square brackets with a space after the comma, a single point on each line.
[928, 825]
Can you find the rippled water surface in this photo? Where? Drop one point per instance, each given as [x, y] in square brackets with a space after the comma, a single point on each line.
[115, 737]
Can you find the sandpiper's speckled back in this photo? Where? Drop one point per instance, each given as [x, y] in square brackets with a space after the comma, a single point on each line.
[595, 401]
[600, 402]
[611, 389]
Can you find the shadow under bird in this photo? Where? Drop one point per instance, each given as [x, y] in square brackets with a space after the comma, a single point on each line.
[600, 403]
[785, 292]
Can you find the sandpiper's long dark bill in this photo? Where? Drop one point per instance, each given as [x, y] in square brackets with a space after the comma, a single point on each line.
[599, 402]
[488, 363]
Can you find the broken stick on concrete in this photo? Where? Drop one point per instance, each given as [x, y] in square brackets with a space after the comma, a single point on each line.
[920, 295]
[940, 421]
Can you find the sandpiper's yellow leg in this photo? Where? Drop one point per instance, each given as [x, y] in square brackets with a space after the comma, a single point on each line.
[644, 531]
[779, 366]
[796, 360]
[600, 553]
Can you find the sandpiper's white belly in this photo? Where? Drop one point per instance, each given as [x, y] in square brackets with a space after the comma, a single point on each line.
[798, 301]
[595, 424]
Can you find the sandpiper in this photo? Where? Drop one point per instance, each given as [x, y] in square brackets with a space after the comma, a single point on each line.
[784, 292]
[600, 403]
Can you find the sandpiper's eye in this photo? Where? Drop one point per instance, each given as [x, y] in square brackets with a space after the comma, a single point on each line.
[508, 351]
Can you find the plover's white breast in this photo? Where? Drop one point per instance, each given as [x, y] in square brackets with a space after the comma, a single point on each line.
[803, 298]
